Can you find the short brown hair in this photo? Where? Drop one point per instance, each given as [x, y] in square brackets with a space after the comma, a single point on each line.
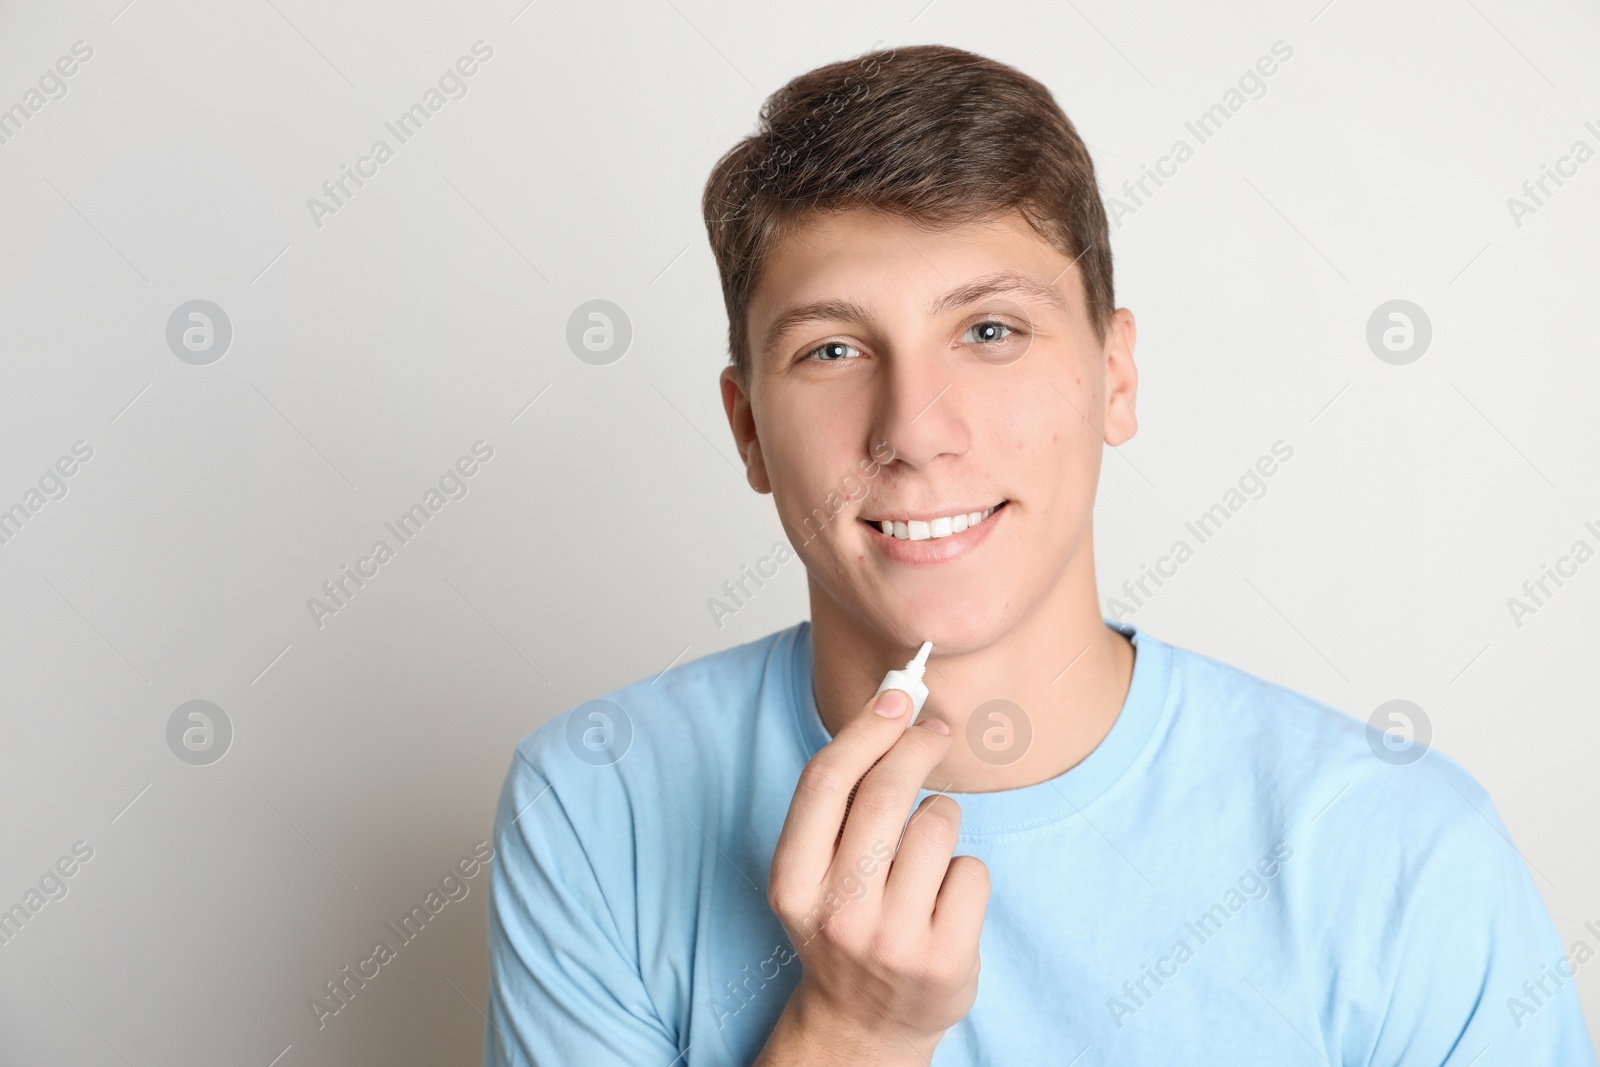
[935, 135]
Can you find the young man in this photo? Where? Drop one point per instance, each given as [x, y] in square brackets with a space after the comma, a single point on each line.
[1163, 860]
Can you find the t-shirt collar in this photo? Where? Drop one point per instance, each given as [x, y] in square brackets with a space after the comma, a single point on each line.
[1015, 810]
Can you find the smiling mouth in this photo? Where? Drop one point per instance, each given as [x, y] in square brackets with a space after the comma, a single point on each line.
[935, 528]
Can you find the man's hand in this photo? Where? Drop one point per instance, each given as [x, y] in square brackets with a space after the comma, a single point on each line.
[888, 942]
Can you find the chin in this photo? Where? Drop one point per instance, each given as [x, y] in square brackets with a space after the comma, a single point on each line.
[954, 628]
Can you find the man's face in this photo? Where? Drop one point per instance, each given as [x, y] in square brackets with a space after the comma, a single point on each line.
[912, 376]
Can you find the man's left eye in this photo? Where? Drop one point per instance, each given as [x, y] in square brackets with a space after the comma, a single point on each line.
[988, 332]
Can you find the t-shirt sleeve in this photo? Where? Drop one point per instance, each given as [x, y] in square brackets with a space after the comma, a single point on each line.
[1480, 976]
[564, 983]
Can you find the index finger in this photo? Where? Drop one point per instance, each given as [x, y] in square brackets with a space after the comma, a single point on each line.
[805, 847]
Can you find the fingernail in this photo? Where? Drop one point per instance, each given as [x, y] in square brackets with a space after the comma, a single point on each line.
[938, 726]
[892, 703]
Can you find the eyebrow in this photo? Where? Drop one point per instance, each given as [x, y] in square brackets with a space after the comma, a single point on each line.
[1003, 281]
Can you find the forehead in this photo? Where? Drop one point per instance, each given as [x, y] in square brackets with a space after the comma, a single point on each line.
[860, 240]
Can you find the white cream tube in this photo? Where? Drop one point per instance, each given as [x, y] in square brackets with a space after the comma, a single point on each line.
[909, 680]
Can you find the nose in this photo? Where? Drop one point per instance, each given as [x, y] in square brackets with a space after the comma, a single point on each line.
[919, 411]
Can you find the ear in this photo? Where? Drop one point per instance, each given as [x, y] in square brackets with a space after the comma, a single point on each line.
[1122, 379]
[742, 421]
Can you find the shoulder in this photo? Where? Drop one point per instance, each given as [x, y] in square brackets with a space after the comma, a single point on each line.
[690, 719]
[1400, 883]
[1394, 837]
[1328, 770]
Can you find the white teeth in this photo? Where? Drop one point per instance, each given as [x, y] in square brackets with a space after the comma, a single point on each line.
[931, 529]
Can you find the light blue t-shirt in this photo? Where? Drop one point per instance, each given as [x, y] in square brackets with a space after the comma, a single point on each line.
[1232, 877]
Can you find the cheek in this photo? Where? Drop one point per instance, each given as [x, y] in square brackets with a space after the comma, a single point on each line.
[791, 445]
[815, 474]
[1051, 448]
[1033, 428]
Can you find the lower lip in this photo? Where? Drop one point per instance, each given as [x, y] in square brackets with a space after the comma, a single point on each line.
[933, 549]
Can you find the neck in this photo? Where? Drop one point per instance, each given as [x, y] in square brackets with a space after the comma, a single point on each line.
[1062, 674]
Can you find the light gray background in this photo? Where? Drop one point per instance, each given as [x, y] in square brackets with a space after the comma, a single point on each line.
[430, 312]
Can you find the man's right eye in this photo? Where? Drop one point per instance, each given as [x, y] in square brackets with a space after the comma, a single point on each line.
[833, 352]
